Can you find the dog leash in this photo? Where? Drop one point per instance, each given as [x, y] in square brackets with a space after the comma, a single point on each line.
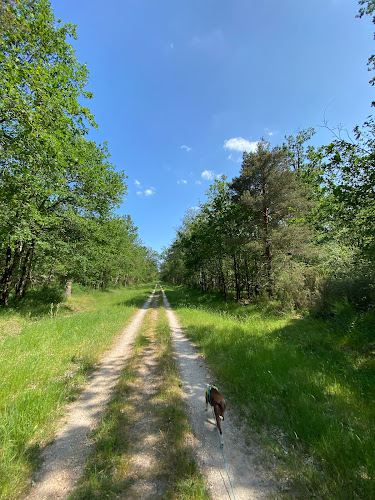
[222, 452]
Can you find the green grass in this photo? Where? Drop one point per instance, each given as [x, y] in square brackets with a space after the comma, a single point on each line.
[44, 361]
[305, 385]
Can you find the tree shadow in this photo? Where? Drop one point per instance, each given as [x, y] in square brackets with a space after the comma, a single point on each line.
[39, 302]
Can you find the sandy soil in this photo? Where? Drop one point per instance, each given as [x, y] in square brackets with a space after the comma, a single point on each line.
[64, 460]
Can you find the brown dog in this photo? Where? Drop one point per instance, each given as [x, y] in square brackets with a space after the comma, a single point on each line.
[217, 402]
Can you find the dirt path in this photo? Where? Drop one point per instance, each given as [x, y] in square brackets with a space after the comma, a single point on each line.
[248, 479]
[64, 460]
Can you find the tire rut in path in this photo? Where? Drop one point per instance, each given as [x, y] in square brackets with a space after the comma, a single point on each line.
[64, 460]
[248, 478]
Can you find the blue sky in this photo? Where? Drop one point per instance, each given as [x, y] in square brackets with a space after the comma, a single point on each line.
[181, 87]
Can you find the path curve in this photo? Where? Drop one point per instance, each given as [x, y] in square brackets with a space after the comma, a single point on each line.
[64, 460]
[248, 479]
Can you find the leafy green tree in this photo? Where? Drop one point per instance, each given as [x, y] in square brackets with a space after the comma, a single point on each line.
[49, 172]
[350, 182]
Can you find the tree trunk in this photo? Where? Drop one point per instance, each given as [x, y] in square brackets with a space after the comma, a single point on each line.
[267, 251]
[25, 273]
[6, 280]
[247, 280]
[238, 293]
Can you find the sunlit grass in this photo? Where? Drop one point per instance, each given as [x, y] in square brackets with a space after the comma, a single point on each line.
[300, 383]
[43, 364]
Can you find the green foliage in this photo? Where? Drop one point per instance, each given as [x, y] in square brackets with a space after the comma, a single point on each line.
[296, 226]
[248, 232]
[57, 189]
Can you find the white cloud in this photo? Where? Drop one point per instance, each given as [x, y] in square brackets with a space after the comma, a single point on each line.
[198, 182]
[240, 144]
[187, 148]
[269, 132]
[229, 157]
[139, 193]
[150, 191]
[182, 181]
[207, 175]
[137, 183]
[171, 45]
[219, 176]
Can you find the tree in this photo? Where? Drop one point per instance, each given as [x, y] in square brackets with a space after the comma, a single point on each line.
[268, 190]
[49, 172]
[350, 183]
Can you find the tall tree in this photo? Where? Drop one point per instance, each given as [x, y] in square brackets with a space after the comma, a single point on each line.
[267, 188]
[49, 171]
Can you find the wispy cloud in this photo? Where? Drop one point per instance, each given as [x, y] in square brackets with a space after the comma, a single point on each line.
[240, 144]
[147, 192]
[187, 148]
[269, 132]
[207, 41]
[207, 175]
[182, 181]
[198, 182]
[136, 182]
[171, 45]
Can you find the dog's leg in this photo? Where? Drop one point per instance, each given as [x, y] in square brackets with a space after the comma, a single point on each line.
[218, 421]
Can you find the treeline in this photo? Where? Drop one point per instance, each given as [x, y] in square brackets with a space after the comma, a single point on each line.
[58, 189]
[296, 227]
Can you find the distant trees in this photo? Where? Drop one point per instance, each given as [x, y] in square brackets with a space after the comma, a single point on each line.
[57, 188]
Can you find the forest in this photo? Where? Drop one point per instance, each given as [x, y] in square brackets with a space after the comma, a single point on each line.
[295, 227]
[58, 189]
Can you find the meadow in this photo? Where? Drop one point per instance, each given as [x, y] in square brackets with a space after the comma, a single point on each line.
[305, 385]
[48, 348]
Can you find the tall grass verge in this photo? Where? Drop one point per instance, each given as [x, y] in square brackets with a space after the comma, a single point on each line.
[305, 385]
[44, 361]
